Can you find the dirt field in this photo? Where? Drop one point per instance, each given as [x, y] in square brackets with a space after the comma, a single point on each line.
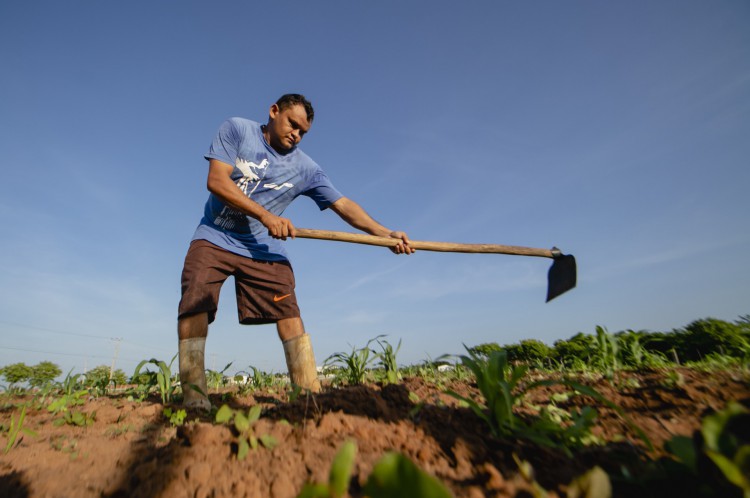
[132, 450]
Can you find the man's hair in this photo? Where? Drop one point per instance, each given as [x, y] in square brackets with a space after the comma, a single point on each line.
[290, 99]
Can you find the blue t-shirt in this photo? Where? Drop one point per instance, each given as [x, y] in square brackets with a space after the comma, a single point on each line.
[269, 178]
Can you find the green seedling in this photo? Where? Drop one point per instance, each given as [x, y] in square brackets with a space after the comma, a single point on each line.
[175, 417]
[64, 403]
[527, 472]
[429, 370]
[77, 418]
[396, 476]
[63, 444]
[724, 440]
[594, 483]
[338, 477]
[294, 393]
[393, 476]
[161, 379]
[243, 424]
[114, 432]
[100, 385]
[459, 373]
[71, 383]
[72, 395]
[16, 427]
[42, 396]
[570, 429]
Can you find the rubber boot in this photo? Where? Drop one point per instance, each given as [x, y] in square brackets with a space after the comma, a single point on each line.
[193, 372]
[300, 361]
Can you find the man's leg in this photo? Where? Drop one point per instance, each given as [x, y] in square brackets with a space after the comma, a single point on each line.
[206, 268]
[192, 331]
[300, 359]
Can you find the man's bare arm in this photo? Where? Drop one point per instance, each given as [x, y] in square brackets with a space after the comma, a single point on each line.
[221, 185]
[356, 216]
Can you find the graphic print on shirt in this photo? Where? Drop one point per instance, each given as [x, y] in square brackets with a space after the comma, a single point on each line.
[278, 187]
[251, 175]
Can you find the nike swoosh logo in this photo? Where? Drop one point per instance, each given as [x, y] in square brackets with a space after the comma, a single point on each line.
[276, 299]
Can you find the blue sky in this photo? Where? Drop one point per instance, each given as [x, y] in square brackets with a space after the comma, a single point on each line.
[617, 131]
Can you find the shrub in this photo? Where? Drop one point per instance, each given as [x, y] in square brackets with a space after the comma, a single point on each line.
[574, 350]
[709, 335]
[43, 373]
[533, 351]
[17, 373]
[484, 350]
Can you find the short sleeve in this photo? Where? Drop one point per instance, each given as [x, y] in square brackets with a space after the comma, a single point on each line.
[322, 191]
[226, 143]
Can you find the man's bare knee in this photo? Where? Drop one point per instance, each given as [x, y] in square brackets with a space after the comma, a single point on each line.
[193, 326]
[289, 328]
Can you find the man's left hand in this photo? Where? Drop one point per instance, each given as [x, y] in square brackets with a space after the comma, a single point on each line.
[403, 247]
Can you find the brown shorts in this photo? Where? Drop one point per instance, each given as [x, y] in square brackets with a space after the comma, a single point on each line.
[265, 289]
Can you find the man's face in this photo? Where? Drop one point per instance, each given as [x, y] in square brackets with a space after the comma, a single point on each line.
[286, 127]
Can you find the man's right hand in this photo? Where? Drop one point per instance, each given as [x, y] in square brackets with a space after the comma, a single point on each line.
[278, 227]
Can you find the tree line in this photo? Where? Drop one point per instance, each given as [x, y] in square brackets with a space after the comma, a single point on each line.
[703, 339]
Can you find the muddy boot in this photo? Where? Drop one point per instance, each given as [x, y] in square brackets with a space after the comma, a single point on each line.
[192, 372]
[301, 363]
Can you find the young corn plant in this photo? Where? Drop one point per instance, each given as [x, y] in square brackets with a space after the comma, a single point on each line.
[257, 381]
[71, 384]
[216, 380]
[594, 483]
[99, 380]
[724, 440]
[243, 424]
[502, 386]
[16, 427]
[396, 476]
[606, 353]
[352, 368]
[162, 378]
[72, 395]
[387, 358]
[393, 476]
[429, 370]
[338, 478]
[497, 381]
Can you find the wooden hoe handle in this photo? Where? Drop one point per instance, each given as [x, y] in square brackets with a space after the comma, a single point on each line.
[374, 240]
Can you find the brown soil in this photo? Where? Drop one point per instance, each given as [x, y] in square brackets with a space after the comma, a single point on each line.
[132, 450]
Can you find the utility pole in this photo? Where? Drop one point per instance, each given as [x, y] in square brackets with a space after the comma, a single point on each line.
[117, 341]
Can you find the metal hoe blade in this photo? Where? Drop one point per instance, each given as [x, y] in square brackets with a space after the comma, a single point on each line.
[562, 274]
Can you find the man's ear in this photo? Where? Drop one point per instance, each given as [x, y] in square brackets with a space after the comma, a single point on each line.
[273, 111]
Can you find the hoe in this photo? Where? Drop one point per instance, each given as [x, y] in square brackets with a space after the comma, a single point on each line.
[561, 277]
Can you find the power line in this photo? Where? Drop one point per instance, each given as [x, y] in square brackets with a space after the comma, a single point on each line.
[61, 354]
[61, 332]
[92, 336]
[53, 331]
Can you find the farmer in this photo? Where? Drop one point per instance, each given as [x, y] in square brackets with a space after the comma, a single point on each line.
[254, 172]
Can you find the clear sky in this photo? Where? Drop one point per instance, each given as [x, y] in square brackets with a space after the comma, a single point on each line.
[617, 131]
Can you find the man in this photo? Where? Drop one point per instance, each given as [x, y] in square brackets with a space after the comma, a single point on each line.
[254, 172]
